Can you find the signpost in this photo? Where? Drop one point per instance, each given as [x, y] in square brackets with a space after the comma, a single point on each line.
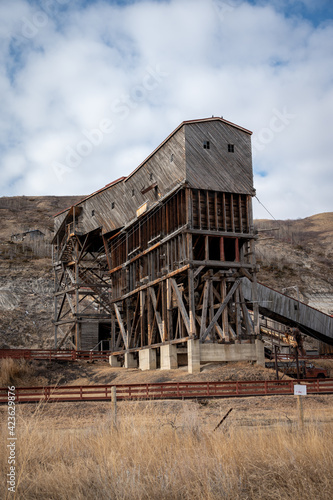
[299, 391]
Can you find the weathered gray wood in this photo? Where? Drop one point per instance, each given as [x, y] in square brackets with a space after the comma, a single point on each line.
[121, 325]
[220, 310]
[181, 306]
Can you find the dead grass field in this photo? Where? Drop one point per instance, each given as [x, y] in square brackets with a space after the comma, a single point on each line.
[169, 450]
[166, 449]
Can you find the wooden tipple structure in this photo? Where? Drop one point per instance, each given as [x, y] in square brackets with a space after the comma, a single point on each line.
[157, 257]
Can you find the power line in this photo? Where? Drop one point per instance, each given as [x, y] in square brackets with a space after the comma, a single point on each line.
[265, 208]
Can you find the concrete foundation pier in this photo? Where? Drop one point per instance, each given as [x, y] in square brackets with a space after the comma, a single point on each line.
[130, 361]
[168, 355]
[260, 352]
[147, 359]
[193, 356]
[113, 360]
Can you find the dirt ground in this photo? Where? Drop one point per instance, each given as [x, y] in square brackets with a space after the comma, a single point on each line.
[85, 373]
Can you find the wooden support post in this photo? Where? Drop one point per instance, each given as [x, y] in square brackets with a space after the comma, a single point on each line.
[238, 315]
[225, 322]
[181, 306]
[150, 315]
[142, 320]
[170, 334]
[121, 325]
[191, 302]
[114, 405]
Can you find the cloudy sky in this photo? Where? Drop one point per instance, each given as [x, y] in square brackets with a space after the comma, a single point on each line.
[89, 88]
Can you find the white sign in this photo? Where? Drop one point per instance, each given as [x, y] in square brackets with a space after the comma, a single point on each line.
[299, 390]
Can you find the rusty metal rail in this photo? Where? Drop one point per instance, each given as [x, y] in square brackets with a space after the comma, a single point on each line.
[167, 390]
[53, 354]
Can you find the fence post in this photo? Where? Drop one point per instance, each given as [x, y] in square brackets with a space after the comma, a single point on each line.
[300, 412]
[114, 405]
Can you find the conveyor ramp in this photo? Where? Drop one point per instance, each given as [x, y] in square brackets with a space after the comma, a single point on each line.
[291, 312]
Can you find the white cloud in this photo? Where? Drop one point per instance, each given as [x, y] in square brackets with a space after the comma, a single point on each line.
[146, 67]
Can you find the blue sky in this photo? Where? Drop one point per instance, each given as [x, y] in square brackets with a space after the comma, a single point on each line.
[89, 88]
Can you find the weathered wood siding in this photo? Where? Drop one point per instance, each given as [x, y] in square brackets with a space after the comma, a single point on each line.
[215, 168]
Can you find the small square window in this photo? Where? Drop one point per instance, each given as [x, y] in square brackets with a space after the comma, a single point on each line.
[112, 205]
[231, 148]
[92, 213]
[206, 145]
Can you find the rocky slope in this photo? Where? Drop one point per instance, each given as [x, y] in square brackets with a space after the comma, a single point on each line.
[290, 254]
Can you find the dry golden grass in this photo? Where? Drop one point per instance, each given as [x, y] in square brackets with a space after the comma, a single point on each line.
[14, 372]
[162, 455]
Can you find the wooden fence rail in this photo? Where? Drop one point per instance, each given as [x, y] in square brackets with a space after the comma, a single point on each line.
[55, 355]
[167, 390]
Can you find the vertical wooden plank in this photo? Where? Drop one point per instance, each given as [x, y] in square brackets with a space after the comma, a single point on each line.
[240, 213]
[225, 227]
[238, 314]
[237, 249]
[142, 319]
[225, 322]
[199, 209]
[204, 309]
[207, 210]
[189, 207]
[216, 212]
[150, 318]
[222, 256]
[163, 292]
[169, 335]
[232, 213]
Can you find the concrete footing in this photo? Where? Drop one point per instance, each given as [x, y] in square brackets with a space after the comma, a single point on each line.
[168, 354]
[130, 361]
[147, 359]
[113, 360]
[208, 353]
[260, 352]
[193, 356]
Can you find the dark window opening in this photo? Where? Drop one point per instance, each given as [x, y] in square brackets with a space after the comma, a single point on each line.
[150, 177]
[230, 249]
[92, 213]
[199, 248]
[214, 248]
[112, 205]
[133, 192]
[206, 145]
[231, 148]
[104, 336]
[171, 158]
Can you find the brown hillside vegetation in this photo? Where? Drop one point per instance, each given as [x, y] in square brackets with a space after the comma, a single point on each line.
[297, 253]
